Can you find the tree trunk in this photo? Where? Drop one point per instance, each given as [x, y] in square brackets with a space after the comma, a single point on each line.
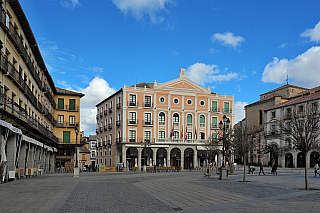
[306, 172]
[244, 169]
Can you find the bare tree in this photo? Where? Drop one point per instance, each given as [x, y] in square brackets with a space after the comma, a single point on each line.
[212, 148]
[302, 130]
[242, 142]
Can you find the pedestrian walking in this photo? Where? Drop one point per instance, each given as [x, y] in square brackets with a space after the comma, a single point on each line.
[274, 169]
[154, 168]
[261, 169]
[316, 168]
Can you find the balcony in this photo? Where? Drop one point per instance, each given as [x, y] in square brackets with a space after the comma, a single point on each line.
[147, 105]
[132, 104]
[118, 123]
[215, 110]
[97, 131]
[66, 124]
[48, 115]
[105, 112]
[105, 127]
[132, 122]
[110, 110]
[109, 126]
[118, 140]
[227, 110]
[101, 114]
[214, 126]
[100, 129]
[97, 116]
[147, 123]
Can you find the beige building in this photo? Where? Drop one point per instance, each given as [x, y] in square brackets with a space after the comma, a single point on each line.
[29, 100]
[169, 121]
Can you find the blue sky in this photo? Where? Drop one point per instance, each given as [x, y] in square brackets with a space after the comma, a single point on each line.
[240, 48]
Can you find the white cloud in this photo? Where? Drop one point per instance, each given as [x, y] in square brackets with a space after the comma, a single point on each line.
[70, 3]
[312, 34]
[97, 91]
[303, 70]
[139, 8]
[239, 111]
[213, 51]
[202, 74]
[227, 39]
[282, 46]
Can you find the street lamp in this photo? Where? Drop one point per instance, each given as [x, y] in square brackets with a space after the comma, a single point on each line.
[76, 169]
[224, 125]
[144, 153]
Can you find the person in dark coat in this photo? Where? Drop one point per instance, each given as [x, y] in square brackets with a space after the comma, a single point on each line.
[261, 169]
[274, 169]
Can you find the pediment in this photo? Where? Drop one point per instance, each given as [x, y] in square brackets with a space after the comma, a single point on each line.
[183, 84]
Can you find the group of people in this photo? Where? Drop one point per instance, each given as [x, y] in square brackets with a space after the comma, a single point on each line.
[273, 169]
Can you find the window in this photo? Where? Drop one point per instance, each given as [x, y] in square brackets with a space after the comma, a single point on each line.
[61, 103]
[226, 107]
[147, 118]
[175, 119]
[214, 137]
[202, 135]
[189, 120]
[189, 135]
[72, 120]
[260, 117]
[60, 119]
[202, 121]
[132, 117]
[132, 100]
[162, 100]
[202, 103]
[162, 118]
[273, 114]
[300, 109]
[214, 122]
[147, 101]
[176, 101]
[214, 106]
[132, 135]
[162, 134]
[66, 136]
[175, 135]
[147, 136]
[189, 102]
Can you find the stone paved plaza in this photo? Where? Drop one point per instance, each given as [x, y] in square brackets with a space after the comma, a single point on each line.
[161, 192]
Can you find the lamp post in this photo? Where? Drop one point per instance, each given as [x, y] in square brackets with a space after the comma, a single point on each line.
[76, 169]
[224, 125]
[144, 153]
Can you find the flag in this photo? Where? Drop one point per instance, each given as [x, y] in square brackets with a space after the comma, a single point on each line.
[195, 133]
[185, 137]
[182, 132]
[171, 133]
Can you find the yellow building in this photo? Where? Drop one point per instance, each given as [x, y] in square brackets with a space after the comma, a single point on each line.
[29, 101]
[171, 121]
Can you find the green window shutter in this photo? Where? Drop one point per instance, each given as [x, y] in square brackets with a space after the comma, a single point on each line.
[214, 106]
[226, 107]
[189, 119]
[214, 136]
[202, 119]
[66, 136]
[214, 122]
[60, 103]
[72, 104]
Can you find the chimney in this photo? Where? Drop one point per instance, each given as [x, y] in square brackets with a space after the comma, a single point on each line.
[182, 73]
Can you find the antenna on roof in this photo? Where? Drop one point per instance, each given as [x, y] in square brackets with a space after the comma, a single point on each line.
[287, 78]
[136, 80]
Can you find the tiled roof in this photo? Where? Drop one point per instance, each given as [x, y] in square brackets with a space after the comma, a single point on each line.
[92, 137]
[68, 92]
[282, 87]
[301, 99]
[266, 99]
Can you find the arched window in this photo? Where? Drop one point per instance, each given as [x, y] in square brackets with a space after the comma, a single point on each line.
[202, 121]
[175, 119]
[162, 118]
[189, 120]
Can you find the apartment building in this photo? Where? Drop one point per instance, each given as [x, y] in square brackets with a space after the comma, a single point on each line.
[165, 124]
[29, 100]
[281, 113]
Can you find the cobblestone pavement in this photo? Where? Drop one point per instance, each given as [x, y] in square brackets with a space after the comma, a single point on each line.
[161, 192]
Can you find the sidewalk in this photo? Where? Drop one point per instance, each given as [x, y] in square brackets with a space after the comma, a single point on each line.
[161, 192]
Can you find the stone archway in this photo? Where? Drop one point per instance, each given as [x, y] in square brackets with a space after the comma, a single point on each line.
[301, 162]
[149, 156]
[188, 158]
[175, 157]
[162, 157]
[314, 158]
[132, 157]
[289, 160]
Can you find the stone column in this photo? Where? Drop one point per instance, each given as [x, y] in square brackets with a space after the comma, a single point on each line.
[295, 162]
[36, 157]
[168, 157]
[283, 161]
[154, 150]
[182, 159]
[11, 151]
[30, 160]
[23, 156]
[139, 159]
[52, 162]
[124, 156]
[195, 158]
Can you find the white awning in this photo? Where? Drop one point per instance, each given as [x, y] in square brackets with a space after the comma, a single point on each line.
[9, 126]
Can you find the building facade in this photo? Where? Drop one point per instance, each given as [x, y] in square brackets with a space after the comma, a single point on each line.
[165, 124]
[290, 157]
[28, 100]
